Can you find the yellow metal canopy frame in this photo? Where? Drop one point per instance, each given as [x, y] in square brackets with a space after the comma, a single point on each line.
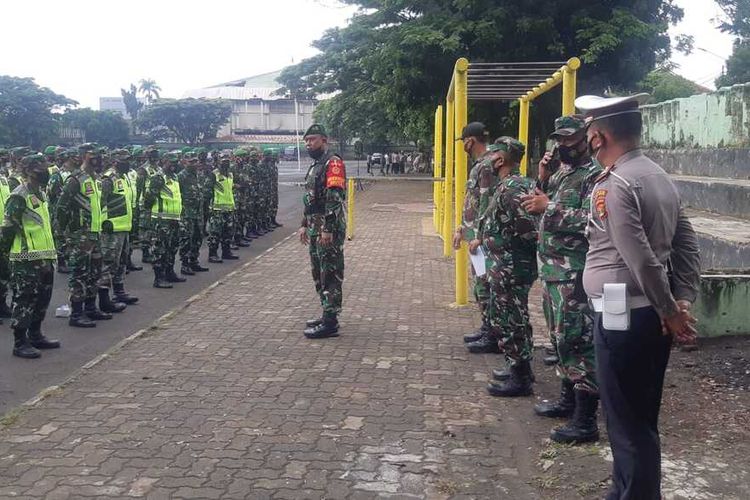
[493, 81]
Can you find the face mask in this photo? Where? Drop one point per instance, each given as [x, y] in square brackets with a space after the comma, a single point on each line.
[122, 167]
[42, 177]
[570, 154]
[315, 154]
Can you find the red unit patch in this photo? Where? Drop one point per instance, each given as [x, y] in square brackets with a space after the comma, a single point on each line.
[336, 174]
[600, 204]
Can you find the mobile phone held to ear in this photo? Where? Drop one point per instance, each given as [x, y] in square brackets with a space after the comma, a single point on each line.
[554, 163]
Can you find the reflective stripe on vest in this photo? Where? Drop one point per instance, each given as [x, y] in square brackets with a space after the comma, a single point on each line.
[4, 193]
[90, 200]
[169, 204]
[120, 203]
[223, 200]
[35, 241]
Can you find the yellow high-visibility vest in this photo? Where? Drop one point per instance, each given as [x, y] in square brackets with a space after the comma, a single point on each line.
[35, 241]
[223, 200]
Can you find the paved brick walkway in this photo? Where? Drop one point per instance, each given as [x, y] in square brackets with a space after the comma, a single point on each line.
[226, 399]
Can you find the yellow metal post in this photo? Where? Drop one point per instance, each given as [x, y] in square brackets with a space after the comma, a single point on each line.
[462, 254]
[350, 209]
[448, 183]
[523, 130]
[570, 71]
[437, 169]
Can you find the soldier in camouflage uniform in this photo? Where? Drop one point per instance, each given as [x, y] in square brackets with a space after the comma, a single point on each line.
[145, 172]
[241, 196]
[508, 236]
[70, 159]
[222, 208]
[5, 311]
[479, 189]
[79, 219]
[564, 208]
[27, 226]
[324, 229]
[274, 190]
[134, 240]
[191, 222]
[254, 206]
[162, 201]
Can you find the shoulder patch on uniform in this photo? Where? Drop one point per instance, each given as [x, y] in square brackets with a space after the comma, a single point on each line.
[600, 203]
[35, 201]
[88, 187]
[336, 173]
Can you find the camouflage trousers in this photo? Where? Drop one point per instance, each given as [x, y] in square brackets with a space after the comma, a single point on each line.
[146, 231]
[114, 258]
[84, 257]
[4, 276]
[327, 265]
[481, 294]
[570, 322]
[32, 291]
[191, 238]
[508, 317]
[241, 216]
[220, 229]
[165, 242]
[134, 239]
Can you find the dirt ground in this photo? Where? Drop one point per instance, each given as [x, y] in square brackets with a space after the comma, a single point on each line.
[705, 431]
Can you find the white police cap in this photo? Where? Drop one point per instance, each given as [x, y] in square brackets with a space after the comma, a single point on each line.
[595, 107]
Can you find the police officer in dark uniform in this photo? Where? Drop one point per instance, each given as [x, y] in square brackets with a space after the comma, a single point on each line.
[637, 231]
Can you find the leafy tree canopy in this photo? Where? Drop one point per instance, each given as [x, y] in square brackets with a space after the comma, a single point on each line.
[190, 120]
[391, 65]
[26, 112]
[736, 21]
[104, 127]
[664, 85]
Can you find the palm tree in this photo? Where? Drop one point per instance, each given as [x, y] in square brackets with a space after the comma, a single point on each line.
[150, 89]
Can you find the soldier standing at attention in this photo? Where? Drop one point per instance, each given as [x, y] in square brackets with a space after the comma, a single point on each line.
[563, 205]
[163, 201]
[323, 229]
[70, 163]
[134, 239]
[27, 239]
[221, 219]
[274, 187]
[479, 190]
[241, 196]
[508, 237]
[191, 222]
[636, 231]
[80, 222]
[5, 311]
[117, 209]
[147, 170]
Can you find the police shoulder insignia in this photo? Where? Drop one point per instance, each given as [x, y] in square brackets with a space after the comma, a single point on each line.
[88, 186]
[119, 184]
[600, 204]
[336, 173]
[34, 201]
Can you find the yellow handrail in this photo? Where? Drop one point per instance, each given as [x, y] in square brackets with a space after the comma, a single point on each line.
[350, 209]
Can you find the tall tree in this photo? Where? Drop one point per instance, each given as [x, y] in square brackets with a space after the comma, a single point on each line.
[190, 120]
[104, 127]
[26, 112]
[130, 98]
[391, 65]
[736, 21]
[149, 88]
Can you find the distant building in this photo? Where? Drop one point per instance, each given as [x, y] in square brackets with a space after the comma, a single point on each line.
[116, 104]
[258, 115]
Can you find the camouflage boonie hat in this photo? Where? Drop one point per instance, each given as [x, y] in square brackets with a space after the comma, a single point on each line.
[566, 126]
[33, 159]
[511, 145]
[316, 129]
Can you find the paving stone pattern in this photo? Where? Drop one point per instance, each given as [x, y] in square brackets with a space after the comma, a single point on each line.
[226, 399]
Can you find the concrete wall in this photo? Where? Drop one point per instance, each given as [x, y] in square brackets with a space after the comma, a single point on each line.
[717, 120]
[722, 305]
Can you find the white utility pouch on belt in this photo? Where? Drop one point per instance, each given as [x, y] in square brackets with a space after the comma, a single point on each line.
[615, 310]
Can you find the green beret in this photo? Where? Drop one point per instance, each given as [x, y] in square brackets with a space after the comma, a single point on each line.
[136, 150]
[568, 125]
[200, 150]
[32, 159]
[240, 152]
[511, 145]
[50, 150]
[315, 129]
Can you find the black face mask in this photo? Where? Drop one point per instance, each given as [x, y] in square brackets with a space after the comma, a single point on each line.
[315, 154]
[570, 155]
[122, 168]
[42, 177]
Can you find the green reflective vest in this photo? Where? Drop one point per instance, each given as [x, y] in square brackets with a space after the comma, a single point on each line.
[4, 193]
[34, 241]
[91, 200]
[169, 204]
[119, 203]
[223, 200]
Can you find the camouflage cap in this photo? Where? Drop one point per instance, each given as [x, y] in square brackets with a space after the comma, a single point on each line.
[88, 146]
[50, 150]
[19, 151]
[511, 145]
[200, 150]
[254, 153]
[316, 129]
[172, 155]
[120, 154]
[33, 159]
[68, 153]
[566, 126]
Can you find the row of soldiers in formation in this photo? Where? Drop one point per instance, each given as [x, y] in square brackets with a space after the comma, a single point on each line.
[515, 220]
[86, 208]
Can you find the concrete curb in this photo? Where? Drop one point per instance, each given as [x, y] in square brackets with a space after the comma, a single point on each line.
[48, 391]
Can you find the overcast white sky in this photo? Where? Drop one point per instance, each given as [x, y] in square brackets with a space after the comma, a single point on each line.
[89, 49]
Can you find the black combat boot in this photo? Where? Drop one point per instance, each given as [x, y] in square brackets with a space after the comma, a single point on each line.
[196, 267]
[551, 358]
[213, 256]
[37, 338]
[148, 257]
[106, 305]
[519, 383]
[226, 254]
[312, 323]
[160, 281]
[240, 242]
[92, 312]
[5, 311]
[77, 318]
[232, 246]
[329, 327]
[185, 269]
[62, 267]
[486, 343]
[121, 295]
[477, 334]
[22, 348]
[504, 374]
[250, 233]
[582, 428]
[172, 277]
[277, 224]
[561, 408]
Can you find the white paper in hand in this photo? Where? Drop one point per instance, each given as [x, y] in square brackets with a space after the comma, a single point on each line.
[478, 262]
